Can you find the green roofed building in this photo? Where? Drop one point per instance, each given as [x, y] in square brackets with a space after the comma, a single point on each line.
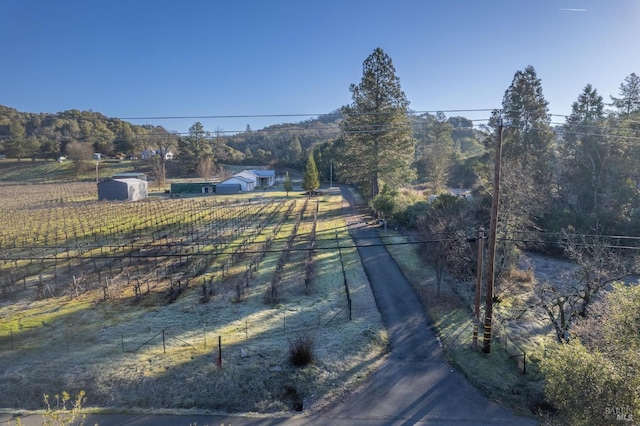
[192, 187]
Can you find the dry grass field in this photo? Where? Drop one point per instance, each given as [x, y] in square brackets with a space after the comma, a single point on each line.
[129, 301]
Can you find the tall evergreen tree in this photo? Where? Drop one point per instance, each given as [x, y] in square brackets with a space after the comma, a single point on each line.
[528, 137]
[195, 147]
[585, 112]
[629, 100]
[310, 181]
[526, 174]
[586, 155]
[599, 166]
[378, 142]
[124, 138]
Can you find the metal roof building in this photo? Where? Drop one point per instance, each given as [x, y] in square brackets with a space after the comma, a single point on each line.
[245, 184]
[192, 187]
[265, 177]
[131, 175]
[122, 189]
[228, 188]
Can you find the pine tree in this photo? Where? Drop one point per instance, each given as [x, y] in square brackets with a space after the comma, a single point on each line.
[586, 154]
[629, 100]
[310, 181]
[378, 140]
[528, 137]
[288, 185]
[195, 147]
[526, 173]
[599, 165]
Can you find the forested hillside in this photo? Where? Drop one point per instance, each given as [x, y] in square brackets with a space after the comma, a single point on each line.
[41, 135]
[30, 135]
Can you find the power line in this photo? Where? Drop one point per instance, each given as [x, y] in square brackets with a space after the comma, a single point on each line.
[331, 114]
[65, 258]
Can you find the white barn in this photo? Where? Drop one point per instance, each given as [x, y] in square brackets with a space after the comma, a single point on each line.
[245, 183]
[246, 174]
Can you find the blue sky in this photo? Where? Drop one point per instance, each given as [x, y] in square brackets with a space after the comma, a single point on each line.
[191, 58]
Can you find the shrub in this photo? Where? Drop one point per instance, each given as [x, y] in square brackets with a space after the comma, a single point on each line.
[301, 351]
[65, 411]
[586, 386]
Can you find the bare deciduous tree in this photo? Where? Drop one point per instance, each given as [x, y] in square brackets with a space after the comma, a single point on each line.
[597, 266]
[206, 167]
[80, 153]
[447, 225]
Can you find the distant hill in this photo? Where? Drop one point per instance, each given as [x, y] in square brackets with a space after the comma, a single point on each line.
[45, 136]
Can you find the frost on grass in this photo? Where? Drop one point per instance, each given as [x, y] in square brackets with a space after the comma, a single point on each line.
[136, 351]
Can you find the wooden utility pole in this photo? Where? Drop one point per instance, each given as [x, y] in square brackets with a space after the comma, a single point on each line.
[331, 174]
[491, 261]
[476, 322]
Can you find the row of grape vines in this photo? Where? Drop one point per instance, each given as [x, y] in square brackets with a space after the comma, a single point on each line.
[73, 246]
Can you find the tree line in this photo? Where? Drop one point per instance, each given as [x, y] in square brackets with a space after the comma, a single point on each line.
[582, 174]
[46, 136]
[572, 189]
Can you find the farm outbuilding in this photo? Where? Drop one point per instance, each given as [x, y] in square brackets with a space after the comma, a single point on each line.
[131, 175]
[245, 184]
[265, 177]
[122, 189]
[192, 187]
[249, 177]
[228, 189]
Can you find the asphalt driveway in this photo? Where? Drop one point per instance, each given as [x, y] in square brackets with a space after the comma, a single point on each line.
[416, 384]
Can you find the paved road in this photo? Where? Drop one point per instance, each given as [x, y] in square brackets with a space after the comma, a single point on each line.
[414, 385]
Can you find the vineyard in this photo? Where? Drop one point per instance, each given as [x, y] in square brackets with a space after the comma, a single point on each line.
[180, 303]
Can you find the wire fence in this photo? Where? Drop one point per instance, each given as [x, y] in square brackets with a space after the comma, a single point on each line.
[502, 337]
[73, 338]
